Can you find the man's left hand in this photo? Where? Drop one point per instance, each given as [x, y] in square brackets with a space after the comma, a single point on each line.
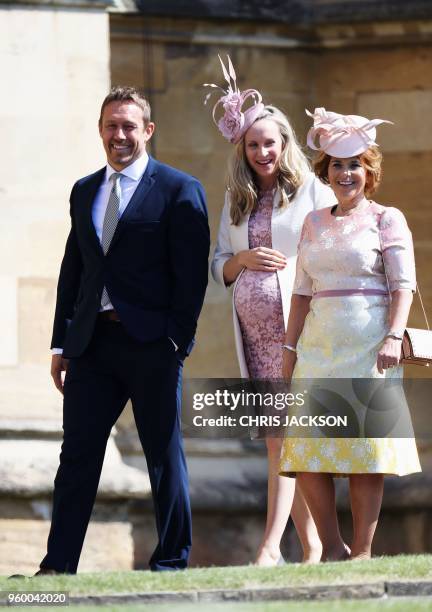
[58, 366]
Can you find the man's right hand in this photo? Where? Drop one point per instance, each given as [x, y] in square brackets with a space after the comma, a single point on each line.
[58, 366]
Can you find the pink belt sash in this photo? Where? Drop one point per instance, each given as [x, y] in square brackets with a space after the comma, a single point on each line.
[343, 292]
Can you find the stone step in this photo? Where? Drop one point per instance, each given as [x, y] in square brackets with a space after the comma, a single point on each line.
[28, 468]
[19, 429]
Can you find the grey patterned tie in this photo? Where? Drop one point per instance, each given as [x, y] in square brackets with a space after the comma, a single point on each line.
[110, 222]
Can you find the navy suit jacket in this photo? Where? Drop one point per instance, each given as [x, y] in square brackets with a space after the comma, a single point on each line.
[155, 270]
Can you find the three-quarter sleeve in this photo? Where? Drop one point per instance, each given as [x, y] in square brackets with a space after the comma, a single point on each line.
[224, 250]
[302, 281]
[397, 250]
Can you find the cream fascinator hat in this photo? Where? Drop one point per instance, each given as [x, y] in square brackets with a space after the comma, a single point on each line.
[235, 122]
[341, 135]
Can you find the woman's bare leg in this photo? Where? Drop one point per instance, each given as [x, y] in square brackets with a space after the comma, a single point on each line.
[280, 497]
[306, 528]
[366, 491]
[319, 493]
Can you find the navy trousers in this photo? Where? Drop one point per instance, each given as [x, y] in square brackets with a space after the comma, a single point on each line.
[114, 368]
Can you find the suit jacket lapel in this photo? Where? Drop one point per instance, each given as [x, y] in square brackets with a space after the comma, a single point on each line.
[141, 192]
[92, 189]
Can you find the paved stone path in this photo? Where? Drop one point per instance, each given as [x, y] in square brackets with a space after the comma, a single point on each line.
[300, 593]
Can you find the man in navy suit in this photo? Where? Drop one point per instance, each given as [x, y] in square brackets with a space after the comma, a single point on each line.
[130, 291]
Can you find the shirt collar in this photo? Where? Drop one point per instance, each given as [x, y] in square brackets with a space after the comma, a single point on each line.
[134, 171]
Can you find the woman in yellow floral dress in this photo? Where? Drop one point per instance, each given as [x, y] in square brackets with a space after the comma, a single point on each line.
[343, 323]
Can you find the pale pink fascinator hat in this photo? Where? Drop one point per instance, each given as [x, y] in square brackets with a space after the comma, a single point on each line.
[342, 135]
[235, 122]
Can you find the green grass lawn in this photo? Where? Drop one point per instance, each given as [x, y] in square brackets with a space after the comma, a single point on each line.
[381, 605]
[403, 567]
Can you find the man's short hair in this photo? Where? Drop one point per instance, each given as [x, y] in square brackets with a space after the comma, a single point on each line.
[127, 94]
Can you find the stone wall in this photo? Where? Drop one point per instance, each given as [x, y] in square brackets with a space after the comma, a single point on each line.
[52, 85]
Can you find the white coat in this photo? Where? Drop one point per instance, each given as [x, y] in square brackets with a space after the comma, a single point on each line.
[286, 225]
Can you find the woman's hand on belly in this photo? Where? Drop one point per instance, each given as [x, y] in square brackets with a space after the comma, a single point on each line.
[259, 259]
[262, 259]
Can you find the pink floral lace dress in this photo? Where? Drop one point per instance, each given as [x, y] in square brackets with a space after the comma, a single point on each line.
[258, 301]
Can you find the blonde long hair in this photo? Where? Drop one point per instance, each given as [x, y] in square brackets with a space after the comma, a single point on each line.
[293, 168]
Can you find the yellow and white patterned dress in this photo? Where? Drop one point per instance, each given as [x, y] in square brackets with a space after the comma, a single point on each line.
[341, 265]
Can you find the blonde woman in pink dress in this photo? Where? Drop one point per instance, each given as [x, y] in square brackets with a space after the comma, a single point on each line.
[344, 324]
[270, 191]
